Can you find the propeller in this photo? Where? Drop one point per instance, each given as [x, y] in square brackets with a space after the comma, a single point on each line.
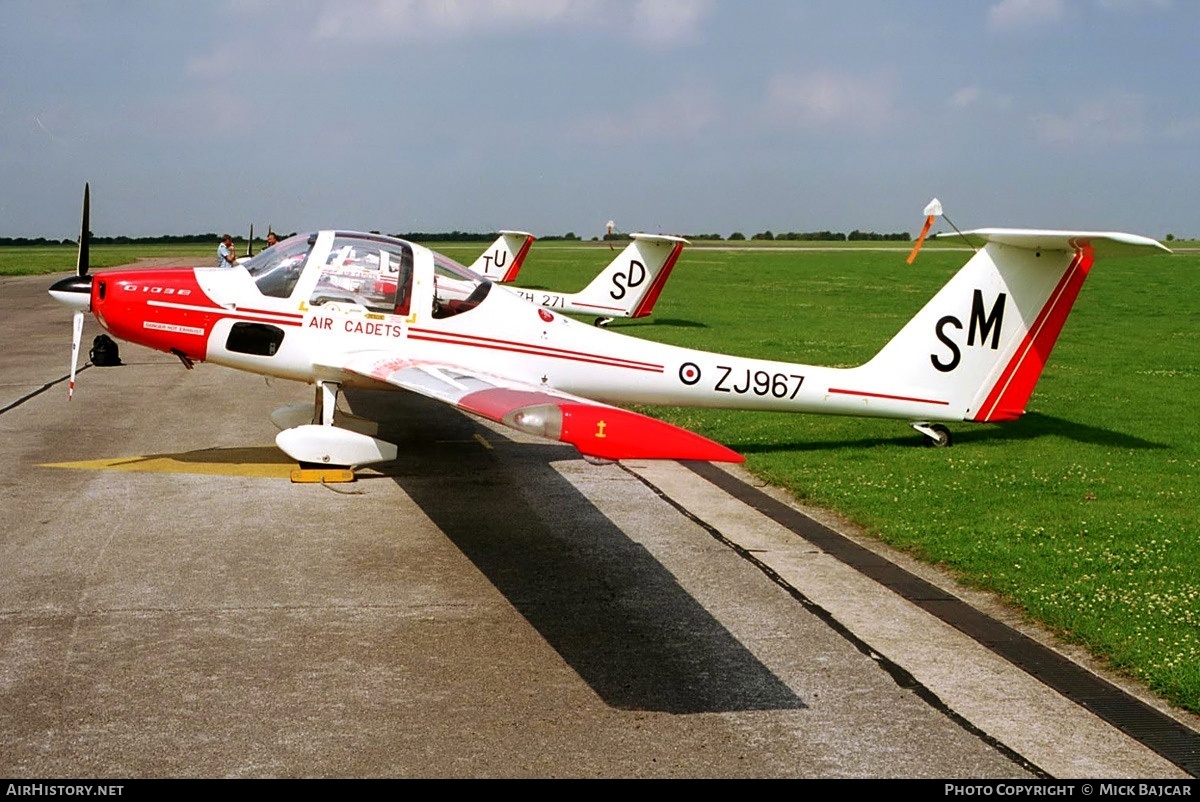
[76, 338]
[76, 291]
[250, 243]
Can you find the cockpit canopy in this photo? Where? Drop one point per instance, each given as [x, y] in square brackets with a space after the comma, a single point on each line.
[372, 271]
[277, 269]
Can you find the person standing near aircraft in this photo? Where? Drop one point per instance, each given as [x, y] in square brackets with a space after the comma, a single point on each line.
[225, 257]
[272, 240]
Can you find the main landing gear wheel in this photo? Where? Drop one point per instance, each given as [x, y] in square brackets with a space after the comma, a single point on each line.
[936, 435]
[603, 322]
[327, 453]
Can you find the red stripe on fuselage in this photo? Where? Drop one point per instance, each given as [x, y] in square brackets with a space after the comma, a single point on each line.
[837, 391]
[219, 313]
[1007, 398]
[281, 318]
[298, 316]
[454, 338]
[598, 307]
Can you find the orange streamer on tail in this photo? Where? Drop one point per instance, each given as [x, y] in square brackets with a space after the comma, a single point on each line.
[921, 239]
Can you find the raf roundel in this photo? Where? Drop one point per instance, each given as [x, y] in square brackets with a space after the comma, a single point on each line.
[689, 373]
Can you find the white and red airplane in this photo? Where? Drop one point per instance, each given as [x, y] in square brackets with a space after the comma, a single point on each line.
[628, 287]
[973, 353]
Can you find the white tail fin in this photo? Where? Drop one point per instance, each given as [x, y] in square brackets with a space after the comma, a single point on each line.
[503, 258]
[978, 347]
[631, 284]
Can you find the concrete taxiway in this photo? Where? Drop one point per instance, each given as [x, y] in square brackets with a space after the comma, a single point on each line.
[172, 606]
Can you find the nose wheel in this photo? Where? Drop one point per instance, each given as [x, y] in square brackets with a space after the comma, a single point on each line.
[936, 435]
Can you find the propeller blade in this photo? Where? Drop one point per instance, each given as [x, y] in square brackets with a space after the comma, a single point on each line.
[250, 242]
[76, 338]
[85, 233]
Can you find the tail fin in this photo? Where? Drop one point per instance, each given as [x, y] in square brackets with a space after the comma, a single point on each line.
[978, 347]
[631, 284]
[503, 258]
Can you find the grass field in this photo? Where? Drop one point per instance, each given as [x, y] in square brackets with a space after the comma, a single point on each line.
[16, 261]
[1082, 514]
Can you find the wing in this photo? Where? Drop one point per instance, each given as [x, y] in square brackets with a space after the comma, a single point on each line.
[596, 429]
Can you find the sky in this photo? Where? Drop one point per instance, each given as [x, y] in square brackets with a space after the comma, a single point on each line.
[555, 116]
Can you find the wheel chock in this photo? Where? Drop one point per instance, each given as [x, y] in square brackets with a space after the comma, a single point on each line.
[327, 476]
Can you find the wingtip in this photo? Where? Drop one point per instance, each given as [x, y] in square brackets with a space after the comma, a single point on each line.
[617, 434]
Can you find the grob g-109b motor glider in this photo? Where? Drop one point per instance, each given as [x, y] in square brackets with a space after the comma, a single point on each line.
[973, 353]
[628, 287]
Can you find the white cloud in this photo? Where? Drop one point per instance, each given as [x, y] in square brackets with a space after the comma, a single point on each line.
[205, 113]
[1183, 130]
[390, 20]
[219, 62]
[1012, 15]
[830, 100]
[1133, 5]
[680, 115]
[669, 22]
[1115, 120]
[967, 96]
[649, 22]
[978, 98]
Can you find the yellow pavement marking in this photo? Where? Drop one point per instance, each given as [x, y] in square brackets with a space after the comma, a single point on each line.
[264, 462]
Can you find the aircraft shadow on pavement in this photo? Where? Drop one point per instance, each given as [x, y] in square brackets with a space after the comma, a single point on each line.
[1032, 425]
[601, 600]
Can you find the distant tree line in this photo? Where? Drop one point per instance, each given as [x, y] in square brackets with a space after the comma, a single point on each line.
[830, 236]
[468, 236]
[446, 236]
[162, 239]
[807, 236]
[36, 242]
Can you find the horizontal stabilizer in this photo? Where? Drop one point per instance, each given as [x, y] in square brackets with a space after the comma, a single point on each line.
[1102, 243]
